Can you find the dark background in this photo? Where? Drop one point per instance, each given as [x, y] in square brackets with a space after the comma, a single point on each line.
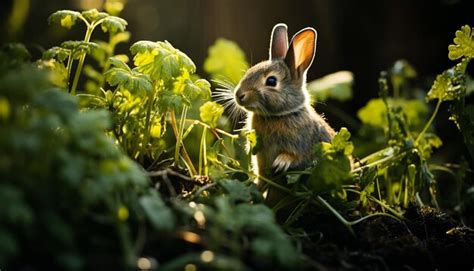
[364, 37]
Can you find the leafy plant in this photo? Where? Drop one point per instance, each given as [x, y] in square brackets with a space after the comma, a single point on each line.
[190, 202]
[58, 169]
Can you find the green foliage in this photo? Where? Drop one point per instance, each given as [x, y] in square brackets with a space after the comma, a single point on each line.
[463, 44]
[333, 164]
[336, 86]
[160, 60]
[229, 214]
[127, 79]
[71, 195]
[159, 215]
[114, 7]
[374, 113]
[66, 18]
[210, 113]
[226, 61]
[448, 86]
[59, 168]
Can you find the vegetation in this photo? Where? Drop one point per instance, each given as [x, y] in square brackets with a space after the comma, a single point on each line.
[112, 160]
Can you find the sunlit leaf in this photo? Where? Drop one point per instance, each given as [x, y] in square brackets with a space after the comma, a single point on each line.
[113, 24]
[447, 86]
[333, 164]
[226, 60]
[162, 62]
[336, 86]
[155, 130]
[374, 113]
[210, 112]
[120, 38]
[125, 78]
[58, 73]
[463, 44]
[66, 18]
[94, 15]
[341, 142]
[114, 7]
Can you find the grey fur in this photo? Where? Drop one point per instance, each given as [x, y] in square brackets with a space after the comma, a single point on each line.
[282, 115]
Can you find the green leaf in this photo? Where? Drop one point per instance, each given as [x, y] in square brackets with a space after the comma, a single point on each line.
[58, 53]
[120, 38]
[341, 142]
[13, 55]
[157, 212]
[93, 15]
[131, 80]
[66, 18]
[58, 73]
[333, 163]
[210, 112]
[254, 141]
[199, 88]
[113, 24]
[448, 86]
[226, 60]
[143, 46]
[463, 44]
[118, 63]
[161, 61]
[427, 143]
[337, 86]
[374, 113]
[78, 48]
[170, 101]
[239, 192]
[114, 7]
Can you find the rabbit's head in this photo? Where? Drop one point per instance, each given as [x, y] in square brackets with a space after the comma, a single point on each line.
[276, 87]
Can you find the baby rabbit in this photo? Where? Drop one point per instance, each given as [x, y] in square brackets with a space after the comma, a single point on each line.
[274, 93]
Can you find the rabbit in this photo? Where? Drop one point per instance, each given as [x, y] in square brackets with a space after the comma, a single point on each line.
[274, 94]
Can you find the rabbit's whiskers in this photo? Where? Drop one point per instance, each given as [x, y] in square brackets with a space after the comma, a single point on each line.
[225, 96]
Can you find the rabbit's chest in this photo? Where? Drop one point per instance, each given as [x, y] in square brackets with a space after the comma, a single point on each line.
[278, 136]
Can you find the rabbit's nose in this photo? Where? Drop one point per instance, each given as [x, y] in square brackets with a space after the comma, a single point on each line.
[242, 97]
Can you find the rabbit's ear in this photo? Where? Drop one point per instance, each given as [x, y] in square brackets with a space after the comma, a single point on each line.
[301, 53]
[279, 42]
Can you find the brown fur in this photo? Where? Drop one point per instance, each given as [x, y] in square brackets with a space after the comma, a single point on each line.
[281, 115]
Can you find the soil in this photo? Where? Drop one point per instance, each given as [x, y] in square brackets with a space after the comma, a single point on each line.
[426, 240]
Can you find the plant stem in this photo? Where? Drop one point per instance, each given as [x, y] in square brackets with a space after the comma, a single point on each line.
[69, 66]
[405, 195]
[372, 155]
[147, 128]
[87, 38]
[381, 203]
[216, 129]
[127, 248]
[336, 214]
[203, 154]
[430, 121]
[383, 160]
[378, 191]
[186, 157]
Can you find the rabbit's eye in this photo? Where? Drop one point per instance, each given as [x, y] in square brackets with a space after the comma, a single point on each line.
[271, 81]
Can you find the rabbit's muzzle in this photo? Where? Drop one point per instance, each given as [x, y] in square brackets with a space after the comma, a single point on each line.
[246, 98]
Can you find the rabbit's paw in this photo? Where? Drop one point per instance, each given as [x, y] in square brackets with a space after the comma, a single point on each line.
[283, 161]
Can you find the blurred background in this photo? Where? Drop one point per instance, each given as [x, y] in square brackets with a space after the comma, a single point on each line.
[364, 37]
